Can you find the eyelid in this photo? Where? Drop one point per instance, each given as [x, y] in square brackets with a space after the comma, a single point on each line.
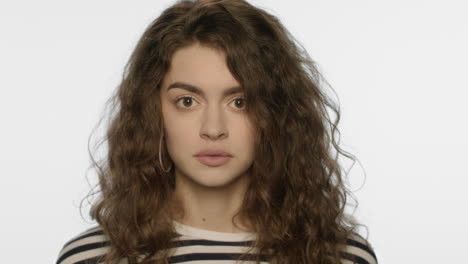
[177, 100]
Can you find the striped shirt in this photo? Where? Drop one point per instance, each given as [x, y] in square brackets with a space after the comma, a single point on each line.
[196, 246]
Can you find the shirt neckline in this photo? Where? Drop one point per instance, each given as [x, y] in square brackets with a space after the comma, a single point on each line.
[210, 234]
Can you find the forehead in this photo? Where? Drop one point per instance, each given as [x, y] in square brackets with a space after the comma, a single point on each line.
[201, 66]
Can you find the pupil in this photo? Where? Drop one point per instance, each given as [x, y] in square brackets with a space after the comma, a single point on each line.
[237, 101]
[187, 100]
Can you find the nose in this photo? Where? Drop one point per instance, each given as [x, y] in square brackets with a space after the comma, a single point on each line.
[213, 124]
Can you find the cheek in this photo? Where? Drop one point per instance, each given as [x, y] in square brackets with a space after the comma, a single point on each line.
[179, 138]
[249, 131]
[178, 131]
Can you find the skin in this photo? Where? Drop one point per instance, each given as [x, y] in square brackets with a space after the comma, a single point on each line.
[208, 196]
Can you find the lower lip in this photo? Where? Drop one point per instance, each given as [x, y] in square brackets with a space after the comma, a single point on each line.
[213, 160]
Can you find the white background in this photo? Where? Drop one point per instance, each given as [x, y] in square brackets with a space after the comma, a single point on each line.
[399, 68]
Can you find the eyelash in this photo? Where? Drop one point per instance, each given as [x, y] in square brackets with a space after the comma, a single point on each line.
[185, 108]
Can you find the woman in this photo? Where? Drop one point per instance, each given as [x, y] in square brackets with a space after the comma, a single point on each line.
[220, 149]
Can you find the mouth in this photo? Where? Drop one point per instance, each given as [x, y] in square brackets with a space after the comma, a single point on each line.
[213, 161]
[213, 153]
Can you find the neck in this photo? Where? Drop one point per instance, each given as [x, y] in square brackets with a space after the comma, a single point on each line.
[210, 208]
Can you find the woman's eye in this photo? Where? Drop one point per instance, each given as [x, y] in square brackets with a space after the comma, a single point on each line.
[240, 105]
[185, 102]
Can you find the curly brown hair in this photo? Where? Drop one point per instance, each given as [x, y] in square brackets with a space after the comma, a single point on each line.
[296, 196]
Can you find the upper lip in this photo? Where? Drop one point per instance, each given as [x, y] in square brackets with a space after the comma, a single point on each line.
[213, 152]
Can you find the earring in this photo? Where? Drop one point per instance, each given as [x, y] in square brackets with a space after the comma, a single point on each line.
[160, 159]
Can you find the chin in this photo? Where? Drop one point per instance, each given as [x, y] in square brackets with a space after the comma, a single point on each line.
[215, 179]
[212, 177]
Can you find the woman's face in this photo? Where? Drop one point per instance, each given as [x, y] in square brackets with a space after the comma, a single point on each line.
[210, 119]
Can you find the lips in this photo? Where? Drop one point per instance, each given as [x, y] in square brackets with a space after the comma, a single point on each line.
[213, 153]
[213, 161]
[213, 157]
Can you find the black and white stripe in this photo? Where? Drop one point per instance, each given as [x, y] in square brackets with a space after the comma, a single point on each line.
[90, 246]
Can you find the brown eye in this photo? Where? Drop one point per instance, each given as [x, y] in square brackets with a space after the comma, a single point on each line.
[239, 103]
[186, 101]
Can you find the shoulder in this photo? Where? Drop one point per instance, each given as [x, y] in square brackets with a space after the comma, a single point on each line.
[87, 247]
[358, 250]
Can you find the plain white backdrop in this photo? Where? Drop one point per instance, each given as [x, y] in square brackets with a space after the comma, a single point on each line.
[399, 69]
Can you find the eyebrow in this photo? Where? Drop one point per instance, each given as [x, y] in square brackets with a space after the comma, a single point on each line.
[197, 90]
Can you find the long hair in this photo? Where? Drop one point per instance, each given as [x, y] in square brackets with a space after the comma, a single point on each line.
[296, 196]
